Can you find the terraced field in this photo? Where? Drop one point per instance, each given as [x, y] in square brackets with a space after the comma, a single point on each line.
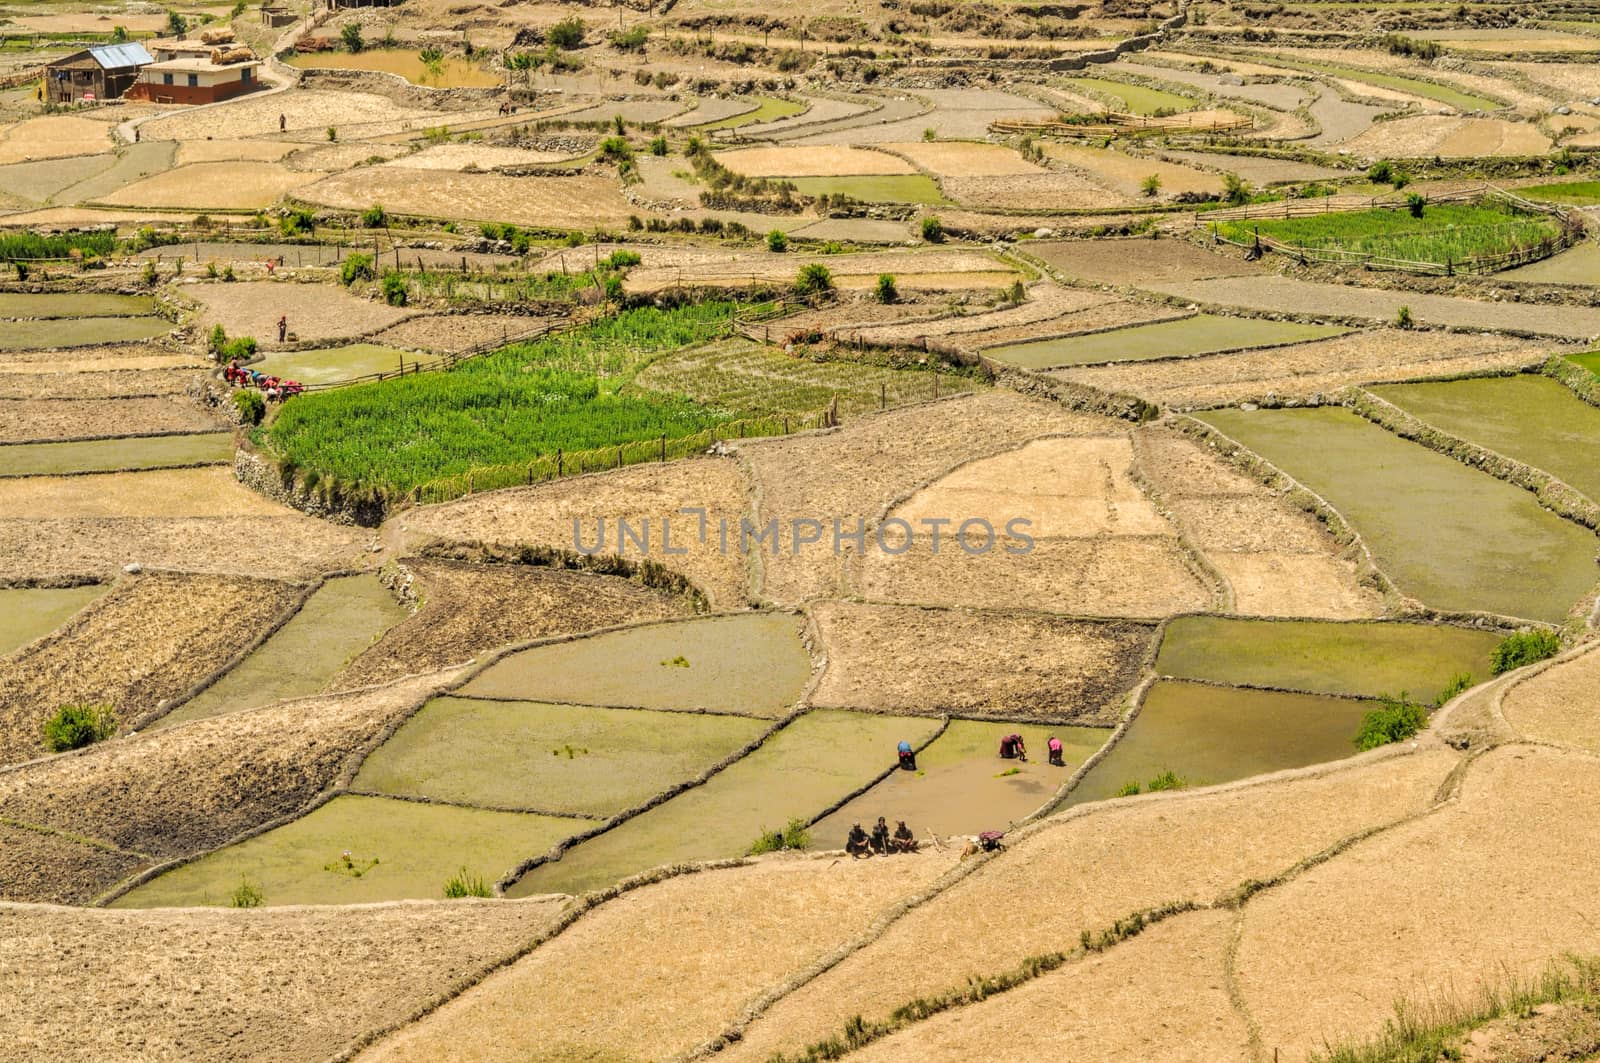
[29, 613]
[1201, 334]
[108, 455]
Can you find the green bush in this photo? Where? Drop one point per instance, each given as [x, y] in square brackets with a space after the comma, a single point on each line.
[794, 836]
[1523, 648]
[777, 241]
[1459, 682]
[1151, 186]
[76, 726]
[350, 33]
[461, 884]
[1403, 319]
[252, 407]
[1167, 780]
[243, 348]
[374, 217]
[394, 287]
[1397, 720]
[1381, 172]
[632, 40]
[177, 25]
[568, 33]
[297, 221]
[246, 895]
[658, 146]
[887, 292]
[615, 149]
[1415, 203]
[621, 260]
[813, 279]
[1234, 189]
[217, 339]
[933, 230]
[356, 268]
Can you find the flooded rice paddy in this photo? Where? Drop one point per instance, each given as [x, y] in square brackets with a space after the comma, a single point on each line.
[1408, 503]
[45, 334]
[817, 760]
[1135, 99]
[1325, 657]
[1580, 265]
[328, 365]
[569, 759]
[1201, 334]
[770, 109]
[106, 455]
[901, 188]
[1206, 734]
[753, 664]
[54, 305]
[29, 613]
[961, 786]
[403, 850]
[1531, 419]
[341, 618]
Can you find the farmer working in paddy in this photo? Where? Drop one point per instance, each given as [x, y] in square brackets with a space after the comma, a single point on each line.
[1011, 748]
[908, 759]
[1054, 746]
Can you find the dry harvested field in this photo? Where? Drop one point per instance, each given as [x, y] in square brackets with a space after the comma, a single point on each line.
[1565, 82]
[163, 493]
[861, 469]
[190, 788]
[333, 158]
[1300, 370]
[316, 312]
[212, 186]
[197, 151]
[581, 201]
[456, 333]
[309, 112]
[545, 515]
[1277, 559]
[955, 113]
[1086, 869]
[716, 938]
[1046, 301]
[483, 156]
[1339, 119]
[960, 268]
[965, 158]
[1126, 174]
[148, 641]
[99, 360]
[1119, 576]
[1119, 313]
[1450, 138]
[1558, 704]
[469, 609]
[1032, 667]
[1041, 191]
[43, 419]
[1101, 1007]
[1288, 295]
[1480, 890]
[812, 162]
[1256, 171]
[1280, 96]
[40, 865]
[53, 137]
[289, 983]
[1138, 260]
[78, 381]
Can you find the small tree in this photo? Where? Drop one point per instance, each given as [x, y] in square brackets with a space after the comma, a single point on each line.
[777, 242]
[76, 726]
[394, 287]
[1403, 319]
[356, 268]
[1151, 186]
[568, 33]
[177, 25]
[813, 279]
[1415, 203]
[119, 34]
[658, 146]
[1234, 189]
[218, 339]
[350, 33]
[1381, 172]
[374, 217]
[933, 230]
[887, 292]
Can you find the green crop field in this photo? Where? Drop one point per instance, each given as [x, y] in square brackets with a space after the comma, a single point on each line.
[1578, 193]
[899, 188]
[1136, 99]
[106, 455]
[1531, 419]
[560, 392]
[743, 378]
[1324, 657]
[771, 109]
[1448, 232]
[570, 759]
[1589, 360]
[1409, 503]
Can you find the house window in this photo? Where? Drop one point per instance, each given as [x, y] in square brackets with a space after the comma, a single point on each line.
[244, 76]
[166, 79]
[194, 81]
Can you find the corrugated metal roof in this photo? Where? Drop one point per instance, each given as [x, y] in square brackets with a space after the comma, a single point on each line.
[118, 56]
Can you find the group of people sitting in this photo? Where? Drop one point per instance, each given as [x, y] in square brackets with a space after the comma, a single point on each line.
[1013, 748]
[276, 389]
[880, 842]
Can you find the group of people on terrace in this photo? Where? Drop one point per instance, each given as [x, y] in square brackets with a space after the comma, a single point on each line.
[276, 389]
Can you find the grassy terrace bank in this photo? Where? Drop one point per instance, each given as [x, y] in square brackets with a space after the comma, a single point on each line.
[528, 400]
[1452, 537]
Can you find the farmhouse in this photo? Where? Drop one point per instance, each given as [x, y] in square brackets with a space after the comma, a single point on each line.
[103, 72]
[196, 72]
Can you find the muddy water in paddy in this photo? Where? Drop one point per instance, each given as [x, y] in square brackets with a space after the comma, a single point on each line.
[1212, 735]
[1448, 535]
[74, 304]
[29, 613]
[38, 335]
[570, 759]
[752, 664]
[798, 772]
[1324, 657]
[106, 455]
[1202, 334]
[961, 786]
[343, 617]
[329, 364]
[453, 72]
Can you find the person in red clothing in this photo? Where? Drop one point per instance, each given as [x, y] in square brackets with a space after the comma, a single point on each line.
[1054, 746]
